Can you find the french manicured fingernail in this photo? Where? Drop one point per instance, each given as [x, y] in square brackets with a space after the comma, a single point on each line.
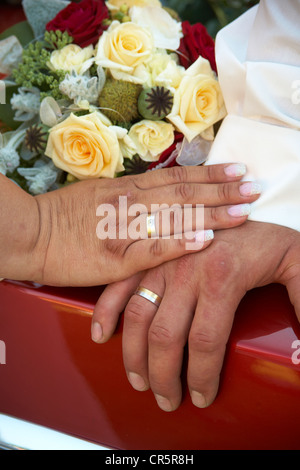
[240, 210]
[198, 400]
[204, 236]
[163, 403]
[235, 170]
[137, 381]
[250, 189]
[97, 332]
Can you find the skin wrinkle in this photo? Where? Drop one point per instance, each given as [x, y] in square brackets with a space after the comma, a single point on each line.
[45, 233]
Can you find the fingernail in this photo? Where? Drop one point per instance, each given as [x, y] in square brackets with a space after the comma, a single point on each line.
[137, 381]
[198, 399]
[240, 210]
[97, 332]
[235, 170]
[163, 403]
[250, 189]
[204, 236]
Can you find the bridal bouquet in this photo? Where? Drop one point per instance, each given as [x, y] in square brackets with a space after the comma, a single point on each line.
[105, 89]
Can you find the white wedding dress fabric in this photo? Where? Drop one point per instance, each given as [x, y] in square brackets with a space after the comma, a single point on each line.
[258, 58]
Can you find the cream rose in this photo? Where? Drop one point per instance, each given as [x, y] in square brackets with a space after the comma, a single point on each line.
[166, 31]
[85, 147]
[163, 70]
[117, 4]
[72, 57]
[123, 49]
[198, 102]
[151, 138]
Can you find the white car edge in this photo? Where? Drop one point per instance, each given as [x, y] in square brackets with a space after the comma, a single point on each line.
[16, 434]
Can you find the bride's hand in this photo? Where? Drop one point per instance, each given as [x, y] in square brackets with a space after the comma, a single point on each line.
[73, 246]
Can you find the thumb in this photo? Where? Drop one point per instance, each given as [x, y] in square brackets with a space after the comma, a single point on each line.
[110, 306]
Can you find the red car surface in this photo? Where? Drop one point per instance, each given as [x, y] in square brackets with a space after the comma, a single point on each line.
[53, 375]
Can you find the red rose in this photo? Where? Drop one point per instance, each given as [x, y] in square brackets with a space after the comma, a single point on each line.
[196, 42]
[82, 21]
[167, 153]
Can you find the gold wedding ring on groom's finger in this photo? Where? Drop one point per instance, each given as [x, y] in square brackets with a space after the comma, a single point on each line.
[149, 295]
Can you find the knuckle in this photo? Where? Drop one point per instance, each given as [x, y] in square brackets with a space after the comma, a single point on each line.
[175, 215]
[177, 174]
[214, 215]
[184, 192]
[161, 337]
[115, 248]
[220, 264]
[156, 248]
[206, 342]
[224, 192]
[181, 278]
[210, 174]
[134, 311]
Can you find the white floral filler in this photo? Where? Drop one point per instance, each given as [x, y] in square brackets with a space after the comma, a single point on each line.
[81, 88]
[26, 103]
[113, 104]
[9, 157]
[40, 178]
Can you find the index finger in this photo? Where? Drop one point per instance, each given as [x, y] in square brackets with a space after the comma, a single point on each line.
[193, 174]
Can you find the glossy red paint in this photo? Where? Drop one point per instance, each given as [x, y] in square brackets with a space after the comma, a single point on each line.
[57, 377]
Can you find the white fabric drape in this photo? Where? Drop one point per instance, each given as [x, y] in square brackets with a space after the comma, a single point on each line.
[258, 59]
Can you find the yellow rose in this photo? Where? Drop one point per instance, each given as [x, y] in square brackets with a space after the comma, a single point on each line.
[117, 4]
[72, 57]
[123, 48]
[85, 147]
[151, 138]
[163, 70]
[198, 102]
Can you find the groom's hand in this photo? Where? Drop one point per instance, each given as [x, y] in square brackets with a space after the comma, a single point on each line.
[201, 293]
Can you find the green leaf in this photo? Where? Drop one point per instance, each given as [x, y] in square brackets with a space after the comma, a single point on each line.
[25, 35]
[6, 112]
[22, 31]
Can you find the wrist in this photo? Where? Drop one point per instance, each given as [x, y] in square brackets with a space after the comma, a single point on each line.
[67, 233]
[19, 221]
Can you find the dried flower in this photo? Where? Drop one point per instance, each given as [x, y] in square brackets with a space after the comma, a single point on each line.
[36, 138]
[135, 166]
[155, 103]
[119, 100]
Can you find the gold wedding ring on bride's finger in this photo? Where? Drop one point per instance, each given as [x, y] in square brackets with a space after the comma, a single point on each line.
[151, 226]
[149, 295]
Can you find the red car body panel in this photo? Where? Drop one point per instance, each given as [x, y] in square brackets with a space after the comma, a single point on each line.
[57, 377]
